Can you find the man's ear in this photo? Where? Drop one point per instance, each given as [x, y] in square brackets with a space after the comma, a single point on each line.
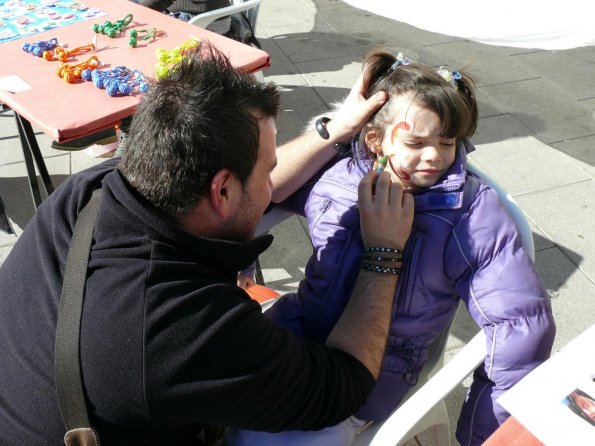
[223, 193]
[373, 139]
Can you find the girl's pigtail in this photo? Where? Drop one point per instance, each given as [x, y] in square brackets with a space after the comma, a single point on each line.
[466, 87]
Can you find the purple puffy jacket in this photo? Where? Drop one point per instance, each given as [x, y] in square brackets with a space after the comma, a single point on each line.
[463, 245]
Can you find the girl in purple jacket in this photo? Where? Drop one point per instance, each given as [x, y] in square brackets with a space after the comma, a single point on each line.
[463, 246]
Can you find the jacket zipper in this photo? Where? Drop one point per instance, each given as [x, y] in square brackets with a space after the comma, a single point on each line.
[326, 204]
[410, 261]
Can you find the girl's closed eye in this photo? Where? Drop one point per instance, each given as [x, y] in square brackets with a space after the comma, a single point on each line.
[412, 144]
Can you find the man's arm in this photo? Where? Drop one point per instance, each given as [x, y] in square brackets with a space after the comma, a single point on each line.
[302, 157]
[386, 215]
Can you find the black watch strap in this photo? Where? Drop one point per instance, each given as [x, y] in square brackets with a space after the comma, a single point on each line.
[321, 127]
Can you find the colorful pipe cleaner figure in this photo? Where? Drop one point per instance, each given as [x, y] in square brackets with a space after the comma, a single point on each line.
[451, 78]
[72, 73]
[135, 35]
[38, 48]
[112, 29]
[119, 81]
[63, 54]
[167, 59]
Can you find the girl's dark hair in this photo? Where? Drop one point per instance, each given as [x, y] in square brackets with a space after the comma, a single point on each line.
[456, 107]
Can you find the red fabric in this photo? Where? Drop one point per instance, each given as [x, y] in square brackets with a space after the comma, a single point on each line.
[261, 293]
[512, 433]
[66, 111]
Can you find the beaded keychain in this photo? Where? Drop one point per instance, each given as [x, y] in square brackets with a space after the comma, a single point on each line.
[134, 35]
[166, 59]
[63, 54]
[119, 81]
[111, 29]
[38, 48]
[70, 73]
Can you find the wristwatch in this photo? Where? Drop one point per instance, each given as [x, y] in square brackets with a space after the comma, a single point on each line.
[321, 127]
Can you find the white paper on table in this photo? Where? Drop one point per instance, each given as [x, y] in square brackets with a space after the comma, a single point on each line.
[14, 84]
[537, 400]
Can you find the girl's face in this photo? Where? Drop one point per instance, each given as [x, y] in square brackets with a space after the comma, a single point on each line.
[417, 155]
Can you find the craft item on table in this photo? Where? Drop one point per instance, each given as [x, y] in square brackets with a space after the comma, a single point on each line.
[40, 46]
[119, 81]
[72, 73]
[142, 34]
[112, 29]
[167, 59]
[63, 54]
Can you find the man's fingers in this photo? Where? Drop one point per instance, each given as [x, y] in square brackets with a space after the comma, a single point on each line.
[373, 103]
[366, 189]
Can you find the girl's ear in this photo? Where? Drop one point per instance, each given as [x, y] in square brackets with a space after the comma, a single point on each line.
[373, 139]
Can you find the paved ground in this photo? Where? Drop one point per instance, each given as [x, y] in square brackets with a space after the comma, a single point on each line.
[535, 136]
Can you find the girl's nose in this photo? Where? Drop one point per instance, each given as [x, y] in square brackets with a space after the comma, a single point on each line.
[430, 154]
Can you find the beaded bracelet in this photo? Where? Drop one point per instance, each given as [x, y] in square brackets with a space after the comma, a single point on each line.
[63, 54]
[119, 81]
[380, 268]
[167, 59]
[383, 259]
[38, 48]
[111, 29]
[381, 249]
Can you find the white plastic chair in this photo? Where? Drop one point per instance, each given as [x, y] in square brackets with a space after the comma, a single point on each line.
[424, 406]
[203, 20]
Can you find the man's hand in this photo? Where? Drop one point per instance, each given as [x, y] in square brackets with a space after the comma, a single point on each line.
[386, 213]
[355, 112]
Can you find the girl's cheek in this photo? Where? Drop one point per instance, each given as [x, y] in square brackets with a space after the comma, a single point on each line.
[400, 165]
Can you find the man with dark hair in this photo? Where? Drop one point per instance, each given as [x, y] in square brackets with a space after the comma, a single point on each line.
[169, 345]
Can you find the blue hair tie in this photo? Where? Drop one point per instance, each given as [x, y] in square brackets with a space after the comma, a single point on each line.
[450, 77]
[401, 60]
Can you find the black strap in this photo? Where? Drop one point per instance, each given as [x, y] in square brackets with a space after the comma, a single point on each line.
[67, 368]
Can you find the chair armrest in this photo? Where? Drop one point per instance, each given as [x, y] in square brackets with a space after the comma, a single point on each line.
[203, 20]
[403, 420]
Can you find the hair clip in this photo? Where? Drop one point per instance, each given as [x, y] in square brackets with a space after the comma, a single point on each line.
[63, 54]
[40, 46]
[111, 29]
[119, 81]
[449, 77]
[134, 35]
[166, 59]
[401, 60]
[71, 73]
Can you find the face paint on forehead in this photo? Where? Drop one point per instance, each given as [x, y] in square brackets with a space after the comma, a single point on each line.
[403, 125]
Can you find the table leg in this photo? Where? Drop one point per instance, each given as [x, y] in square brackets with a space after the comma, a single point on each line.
[33, 157]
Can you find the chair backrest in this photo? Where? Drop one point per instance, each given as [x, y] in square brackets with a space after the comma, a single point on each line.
[203, 20]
